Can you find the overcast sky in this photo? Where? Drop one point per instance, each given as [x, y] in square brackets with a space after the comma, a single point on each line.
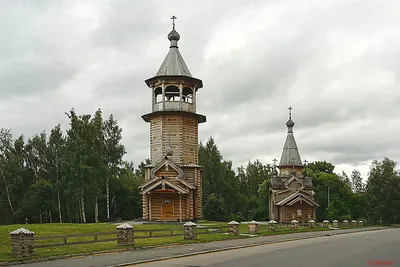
[335, 62]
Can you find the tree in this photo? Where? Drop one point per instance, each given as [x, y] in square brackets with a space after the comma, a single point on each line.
[114, 152]
[345, 178]
[382, 192]
[321, 166]
[356, 182]
[56, 148]
[215, 209]
[5, 151]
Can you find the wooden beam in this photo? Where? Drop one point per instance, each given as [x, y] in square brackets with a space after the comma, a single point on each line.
[180, 207]
[149, 207]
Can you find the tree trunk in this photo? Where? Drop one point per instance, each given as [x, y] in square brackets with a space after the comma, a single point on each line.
[108, 197]
[9, 199]
[40, 216]
[78, 212]
[96, 210]
[83, 207]
[69, 214]
[59, 205]
[51, 221]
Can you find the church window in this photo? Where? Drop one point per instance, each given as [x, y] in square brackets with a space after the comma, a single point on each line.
[298, 212]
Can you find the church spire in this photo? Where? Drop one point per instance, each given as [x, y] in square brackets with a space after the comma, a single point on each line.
[173, 64]
[290, 155]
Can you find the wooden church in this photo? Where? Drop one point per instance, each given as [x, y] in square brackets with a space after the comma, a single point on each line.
[291, 195]
[172, 190]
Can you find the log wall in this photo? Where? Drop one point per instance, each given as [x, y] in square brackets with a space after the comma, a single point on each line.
[180, 131]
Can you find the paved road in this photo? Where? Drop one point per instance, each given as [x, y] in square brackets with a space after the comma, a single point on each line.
[355, 249]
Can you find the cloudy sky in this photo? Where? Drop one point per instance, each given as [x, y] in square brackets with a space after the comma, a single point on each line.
[335, 62]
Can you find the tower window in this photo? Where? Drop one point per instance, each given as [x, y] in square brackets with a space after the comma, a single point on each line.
[172, 93]
[187, 95]
[158, 95]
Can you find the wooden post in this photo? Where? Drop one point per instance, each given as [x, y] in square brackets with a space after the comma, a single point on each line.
[180, 95]
[149, 201]
[22, 242]
[163, 96]
[180, 208]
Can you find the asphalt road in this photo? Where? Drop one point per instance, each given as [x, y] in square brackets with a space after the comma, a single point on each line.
[374, 248]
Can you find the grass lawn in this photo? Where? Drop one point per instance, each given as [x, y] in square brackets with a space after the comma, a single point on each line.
[66, 228]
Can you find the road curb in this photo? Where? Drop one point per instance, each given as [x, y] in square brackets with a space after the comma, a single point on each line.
[236, 247]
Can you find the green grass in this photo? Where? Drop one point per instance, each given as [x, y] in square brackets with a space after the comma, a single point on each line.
[66, 228]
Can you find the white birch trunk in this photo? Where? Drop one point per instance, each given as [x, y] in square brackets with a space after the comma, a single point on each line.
[83, 207]
[9, 199]
[96, 210]
[59, 205]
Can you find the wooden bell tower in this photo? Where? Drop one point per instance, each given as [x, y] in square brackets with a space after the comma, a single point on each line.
[173, 141]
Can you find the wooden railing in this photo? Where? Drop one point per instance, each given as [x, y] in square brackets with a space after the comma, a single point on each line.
[212, 230]
[171, 232]
[66, 237]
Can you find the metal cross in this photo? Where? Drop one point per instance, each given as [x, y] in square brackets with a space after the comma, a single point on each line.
[173, 21]
[305, 162]
[290, 111]
[274, 162]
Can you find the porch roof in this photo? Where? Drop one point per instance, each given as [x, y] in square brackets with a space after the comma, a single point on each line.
[163, 183]
[296, 197]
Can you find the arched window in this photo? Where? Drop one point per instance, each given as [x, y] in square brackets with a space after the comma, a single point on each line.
[172, 93]
[187, 95]
[158, 95]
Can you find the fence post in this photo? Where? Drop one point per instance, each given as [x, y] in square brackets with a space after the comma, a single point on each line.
[253, 227]
[22, 241]
[326, 223]
[345, 223]
[233, 228]
[335, 223]
[360, 223]
[295, 224]
[125, 235]
[311, 223]
[190, 230]
[353, 223]
[272, 225]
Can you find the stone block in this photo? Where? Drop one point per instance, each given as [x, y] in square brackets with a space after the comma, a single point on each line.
[22, 242]
[234, 228]
[253, 227]
[190, 232]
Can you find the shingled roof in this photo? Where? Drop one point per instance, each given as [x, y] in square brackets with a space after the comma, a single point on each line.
[278, 182]
[290, 154]
[173, 64]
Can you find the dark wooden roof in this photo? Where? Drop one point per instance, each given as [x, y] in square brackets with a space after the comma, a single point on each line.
[277, 182]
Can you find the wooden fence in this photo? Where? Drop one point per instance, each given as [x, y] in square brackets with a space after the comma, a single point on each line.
[24, 242]
[66, 237]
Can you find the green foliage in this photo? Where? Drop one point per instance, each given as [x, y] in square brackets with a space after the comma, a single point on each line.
[241, 194]
[67, 177]
[382, 189]
[215, 209]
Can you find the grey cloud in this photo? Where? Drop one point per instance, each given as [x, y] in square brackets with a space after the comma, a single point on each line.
[335, 62]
